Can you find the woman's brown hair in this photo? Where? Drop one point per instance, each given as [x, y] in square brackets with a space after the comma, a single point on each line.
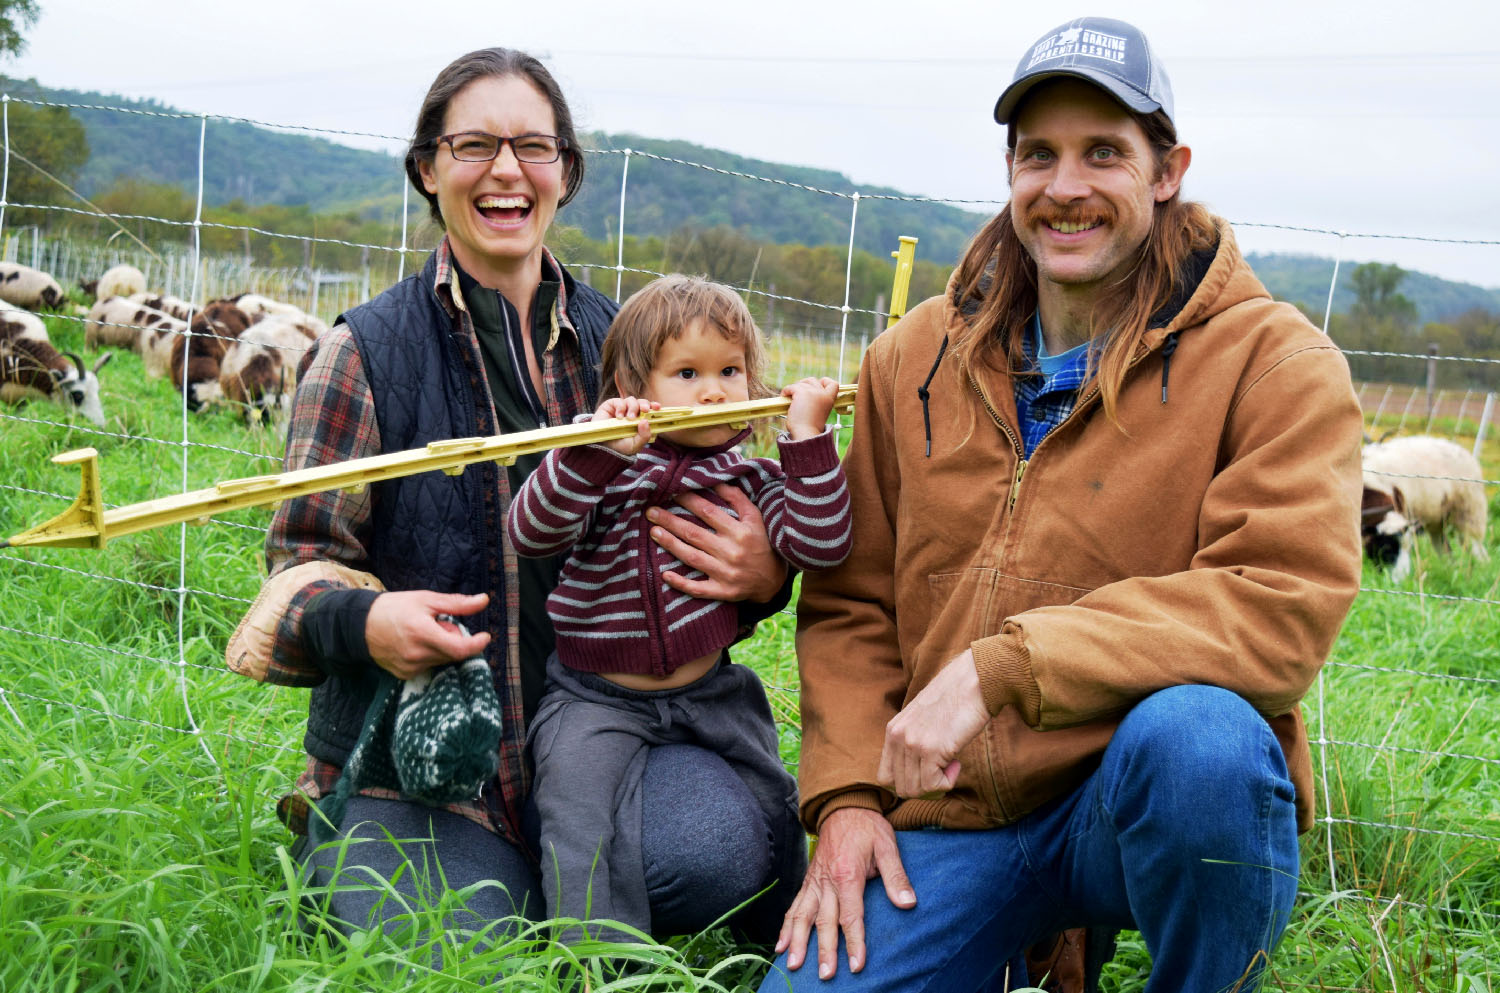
[660, 311]
[997, 280]
[484, 64]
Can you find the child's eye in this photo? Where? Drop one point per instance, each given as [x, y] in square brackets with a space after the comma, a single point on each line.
[686, 374]
[730, 371]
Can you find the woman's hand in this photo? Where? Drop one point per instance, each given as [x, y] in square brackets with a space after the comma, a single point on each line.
[812, 402]
[405, 637]
[628, 408]
[735, 555]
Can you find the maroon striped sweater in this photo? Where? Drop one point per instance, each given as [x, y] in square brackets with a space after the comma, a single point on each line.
[612, 610]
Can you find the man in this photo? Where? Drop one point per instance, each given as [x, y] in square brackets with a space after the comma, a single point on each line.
[1106, 501]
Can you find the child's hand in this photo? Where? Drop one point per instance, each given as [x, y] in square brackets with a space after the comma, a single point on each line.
[812, 400]
[628, 408]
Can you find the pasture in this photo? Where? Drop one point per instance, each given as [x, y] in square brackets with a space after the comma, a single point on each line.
[140, 851]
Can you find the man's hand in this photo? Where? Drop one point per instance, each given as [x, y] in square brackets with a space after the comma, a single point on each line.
[406, 638]
[735, 555]
[854, 846]
[923, 741]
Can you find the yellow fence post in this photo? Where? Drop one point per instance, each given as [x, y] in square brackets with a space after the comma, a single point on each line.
[905, 256]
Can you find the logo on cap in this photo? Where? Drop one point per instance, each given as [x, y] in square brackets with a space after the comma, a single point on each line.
[1079, 41]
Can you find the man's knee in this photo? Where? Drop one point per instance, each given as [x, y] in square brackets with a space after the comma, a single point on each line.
[1198, 730]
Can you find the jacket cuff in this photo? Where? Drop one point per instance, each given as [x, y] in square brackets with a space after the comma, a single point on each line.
[1004, 667]
[333, 630]
[865, 799]
[599, 464]
[809, 456]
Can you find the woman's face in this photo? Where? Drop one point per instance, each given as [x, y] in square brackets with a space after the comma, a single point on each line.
[497, 213]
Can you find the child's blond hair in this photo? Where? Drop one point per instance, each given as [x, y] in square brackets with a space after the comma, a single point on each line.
[660, 311]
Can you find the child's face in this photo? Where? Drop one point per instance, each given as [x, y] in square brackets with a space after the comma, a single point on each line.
[700, 366]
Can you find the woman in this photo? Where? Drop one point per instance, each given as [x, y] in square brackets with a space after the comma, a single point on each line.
[492, 336]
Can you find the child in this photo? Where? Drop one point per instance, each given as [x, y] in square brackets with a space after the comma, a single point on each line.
[639, 664]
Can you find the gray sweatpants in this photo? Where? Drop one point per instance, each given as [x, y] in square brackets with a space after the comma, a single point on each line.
[590, 742]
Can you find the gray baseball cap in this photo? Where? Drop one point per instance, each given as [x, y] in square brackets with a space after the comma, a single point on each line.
[1108, 53]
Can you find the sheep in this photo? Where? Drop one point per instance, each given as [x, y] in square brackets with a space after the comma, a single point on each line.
[1420, 482]
[259, 307]
[229, 316]
[121, 322]
[29, 288]
[167, 304]
[35, 329]
[31, 368]
[118, 281]
[260, 370]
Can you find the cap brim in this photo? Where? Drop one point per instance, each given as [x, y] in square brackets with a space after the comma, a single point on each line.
[1133, 99]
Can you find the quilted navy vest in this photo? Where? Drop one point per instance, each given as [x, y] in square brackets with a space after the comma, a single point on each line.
[433, 531]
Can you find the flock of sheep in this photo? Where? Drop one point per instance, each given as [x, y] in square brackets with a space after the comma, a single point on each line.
[242, 350]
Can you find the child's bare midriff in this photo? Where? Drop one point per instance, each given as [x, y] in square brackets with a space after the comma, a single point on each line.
[688, 672]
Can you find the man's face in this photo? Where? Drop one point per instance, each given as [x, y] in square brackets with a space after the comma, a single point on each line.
[1084, 184]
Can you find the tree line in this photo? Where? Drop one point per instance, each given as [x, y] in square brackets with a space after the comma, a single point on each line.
[1382, 319]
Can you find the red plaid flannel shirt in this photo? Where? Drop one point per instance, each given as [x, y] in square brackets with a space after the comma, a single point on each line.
[333, 421]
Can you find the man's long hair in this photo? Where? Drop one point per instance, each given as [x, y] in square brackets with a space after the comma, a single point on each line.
[999, 278]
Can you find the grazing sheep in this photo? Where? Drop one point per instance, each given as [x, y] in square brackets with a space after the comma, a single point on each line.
[28, 287]
[118, 281]
[35, 329]
[1420, 482]
[260, 370]
[205, 347]
[260, 307]
[31, 368]
[167, 304]
[227, 315]
[122, 322]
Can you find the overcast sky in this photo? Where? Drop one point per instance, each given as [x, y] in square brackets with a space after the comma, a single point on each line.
[1376, 118]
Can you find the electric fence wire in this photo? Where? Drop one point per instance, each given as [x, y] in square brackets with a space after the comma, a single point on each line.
[786, 693]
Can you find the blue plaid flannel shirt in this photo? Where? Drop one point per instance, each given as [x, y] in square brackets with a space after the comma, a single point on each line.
[1044, 400]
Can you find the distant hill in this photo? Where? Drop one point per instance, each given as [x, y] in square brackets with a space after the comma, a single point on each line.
[260, 165]
[1304, 279]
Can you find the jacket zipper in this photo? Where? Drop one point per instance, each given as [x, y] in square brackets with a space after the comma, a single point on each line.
[1022, 462]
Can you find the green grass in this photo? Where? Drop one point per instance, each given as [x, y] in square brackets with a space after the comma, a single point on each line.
[139, 854]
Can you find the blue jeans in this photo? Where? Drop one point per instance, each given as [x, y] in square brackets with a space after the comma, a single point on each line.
[1186, 832]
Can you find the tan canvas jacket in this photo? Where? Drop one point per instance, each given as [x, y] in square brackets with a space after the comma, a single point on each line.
[1212, 538]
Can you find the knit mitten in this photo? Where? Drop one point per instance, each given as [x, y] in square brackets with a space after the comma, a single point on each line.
[447, 733]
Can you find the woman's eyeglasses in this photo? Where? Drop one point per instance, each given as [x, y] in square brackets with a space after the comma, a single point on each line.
[481, 146]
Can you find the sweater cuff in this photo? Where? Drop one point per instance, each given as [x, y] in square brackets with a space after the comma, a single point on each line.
[599, 464]
[864, 799]
[333, 630]
[809, 456]
[1004, 667]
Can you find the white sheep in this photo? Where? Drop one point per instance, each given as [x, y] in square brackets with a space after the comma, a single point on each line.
[1421, 482]
[32, 325]
[28, 287]
[119, 281]
[259, 373]
[122, 322]
[260, 307]
[166, 303]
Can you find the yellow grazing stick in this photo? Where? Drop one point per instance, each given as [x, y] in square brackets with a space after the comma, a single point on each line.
[86, 524]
